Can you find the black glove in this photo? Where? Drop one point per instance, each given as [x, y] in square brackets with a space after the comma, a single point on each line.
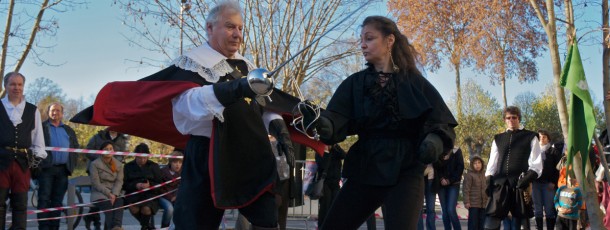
[526, 178]
[229, 92]
[490, 186]
[430, 149]
[309, 114]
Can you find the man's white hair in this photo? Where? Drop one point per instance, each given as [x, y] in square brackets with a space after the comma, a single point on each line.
[214, 14]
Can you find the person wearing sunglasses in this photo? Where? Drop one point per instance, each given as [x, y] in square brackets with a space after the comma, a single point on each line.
[514, 162]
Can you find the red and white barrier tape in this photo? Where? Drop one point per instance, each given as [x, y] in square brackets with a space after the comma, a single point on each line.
[104, 152]
[99, 201]
[107, 210]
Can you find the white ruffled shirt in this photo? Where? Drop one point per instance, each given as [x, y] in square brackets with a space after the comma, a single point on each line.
[194, 109]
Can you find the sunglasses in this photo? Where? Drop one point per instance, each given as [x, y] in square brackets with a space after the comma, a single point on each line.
[511, 118]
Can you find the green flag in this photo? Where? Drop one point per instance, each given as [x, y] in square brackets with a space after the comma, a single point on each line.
[582, 120]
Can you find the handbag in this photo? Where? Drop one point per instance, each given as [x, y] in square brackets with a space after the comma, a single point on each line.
[314, 190]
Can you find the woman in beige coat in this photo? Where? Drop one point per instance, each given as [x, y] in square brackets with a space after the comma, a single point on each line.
[107, 180]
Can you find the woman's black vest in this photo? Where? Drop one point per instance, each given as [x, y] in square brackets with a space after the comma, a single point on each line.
[514, 148]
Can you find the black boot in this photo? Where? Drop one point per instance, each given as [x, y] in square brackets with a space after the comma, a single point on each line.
[3, 194]
[539, 223]
[145, 222]
[492, 223]
[19, 204]
[550, 223]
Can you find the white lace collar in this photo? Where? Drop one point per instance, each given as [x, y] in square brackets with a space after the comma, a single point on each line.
[208, 63]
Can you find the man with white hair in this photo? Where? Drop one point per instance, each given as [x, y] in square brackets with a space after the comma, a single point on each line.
[239, 171]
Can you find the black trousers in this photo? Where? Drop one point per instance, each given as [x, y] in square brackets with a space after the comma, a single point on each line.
[195, 208]
[566, 224]
[356, 202]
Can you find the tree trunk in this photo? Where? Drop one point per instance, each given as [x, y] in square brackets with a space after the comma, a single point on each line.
[589, 192]
[551, 31]
[458, 90]
[35, 30]
[606, 59]
[503, 81]
[7, 30]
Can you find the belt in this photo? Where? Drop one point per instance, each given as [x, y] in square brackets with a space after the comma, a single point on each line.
[16, 150]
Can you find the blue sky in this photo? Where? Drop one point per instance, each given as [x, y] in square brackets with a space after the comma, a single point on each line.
[91, 46]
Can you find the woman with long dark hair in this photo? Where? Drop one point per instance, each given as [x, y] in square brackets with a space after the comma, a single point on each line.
[402, 124]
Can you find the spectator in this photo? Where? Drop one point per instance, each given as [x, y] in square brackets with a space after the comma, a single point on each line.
[475, 198]
[431, 186]
[106, 174]
[330, 166]
[55, 169]
[170, 172]
[21, 140]
[450, 169]
[568, 201]
[544, 187]
[119, 143]
[141, 174]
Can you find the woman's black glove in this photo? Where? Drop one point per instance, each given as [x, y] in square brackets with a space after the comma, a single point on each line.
[430, 149]
[322, 124]
[526, 178]
[229, 92]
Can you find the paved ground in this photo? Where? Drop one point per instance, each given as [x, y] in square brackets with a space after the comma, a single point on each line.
[302, 217]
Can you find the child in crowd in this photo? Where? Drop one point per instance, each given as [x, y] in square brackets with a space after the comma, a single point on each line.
[475, 198]
[568, 201]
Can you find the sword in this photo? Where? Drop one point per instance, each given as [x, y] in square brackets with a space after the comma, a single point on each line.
[261, 80]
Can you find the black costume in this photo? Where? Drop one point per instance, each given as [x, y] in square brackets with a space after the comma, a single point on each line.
[511, 169]
[382, 167]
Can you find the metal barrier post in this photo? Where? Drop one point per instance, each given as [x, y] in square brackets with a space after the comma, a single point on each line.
[71, 194]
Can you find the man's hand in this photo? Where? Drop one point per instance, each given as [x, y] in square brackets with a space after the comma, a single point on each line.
[467, 205]
[430, 149]
[229, 92]
[490, 187]
[526, 179]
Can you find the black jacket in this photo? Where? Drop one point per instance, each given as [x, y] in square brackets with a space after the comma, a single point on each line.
[134, 174]
[553, 154]
[452, 168]
[72, 157]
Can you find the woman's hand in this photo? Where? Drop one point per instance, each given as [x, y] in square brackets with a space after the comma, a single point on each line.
[112, 199]
[444, 182]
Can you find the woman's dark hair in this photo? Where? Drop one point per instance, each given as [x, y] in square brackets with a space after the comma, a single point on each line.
[141, 148]
[106, 143]
[545, 133]
[403, 52]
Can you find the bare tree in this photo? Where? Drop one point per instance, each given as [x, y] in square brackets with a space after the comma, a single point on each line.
[274, 30]
[440, 30]
[23, 27]
[545, 11]
[509, 41]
